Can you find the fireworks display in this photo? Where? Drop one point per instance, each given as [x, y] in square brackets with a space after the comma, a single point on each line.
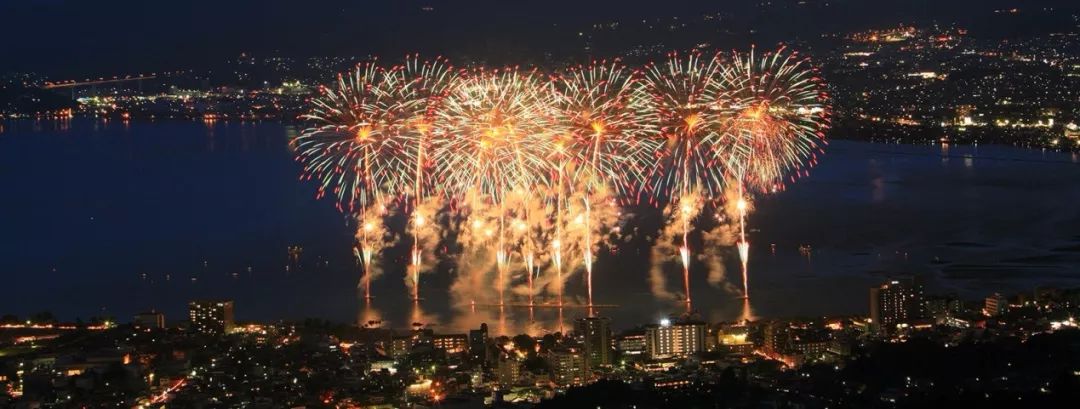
[684, 97]
[495, 131]
[607, 146]
[778, 128]
[528, 172]
[356, 149]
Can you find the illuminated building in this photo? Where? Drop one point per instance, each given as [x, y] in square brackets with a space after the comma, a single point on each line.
[387, 365]
[152, 319]
[895, 302]
[671, 383]
[674, 339]
[661, 365]
[995, 305]
[422, 338]
[211, 317]
[451, 343]
[595, 336]
[631, 343]
[374, 338]
[735, 339]
[841, 345]
[400, 346]
[419, 389]
[568, 366]
[811, 347]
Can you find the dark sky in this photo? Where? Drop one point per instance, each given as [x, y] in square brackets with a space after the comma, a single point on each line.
[64, 37]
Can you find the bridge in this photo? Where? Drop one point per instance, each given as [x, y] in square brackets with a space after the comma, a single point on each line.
[99, 81]
[93, 83]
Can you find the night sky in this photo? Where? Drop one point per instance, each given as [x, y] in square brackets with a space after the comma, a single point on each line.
[77, 38]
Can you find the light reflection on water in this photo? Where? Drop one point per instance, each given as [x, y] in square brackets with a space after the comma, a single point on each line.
[509, 320]
[536, 320]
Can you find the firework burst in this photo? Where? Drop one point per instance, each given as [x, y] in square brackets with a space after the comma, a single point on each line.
[495, 129]
[781, 113]
[682, 97]
[607, 139]
[356, 147]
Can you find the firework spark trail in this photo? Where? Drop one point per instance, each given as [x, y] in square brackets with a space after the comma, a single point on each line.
[501, 256]
[743, 245]
[689, 208]
[370, 238]
[525, 234]
[424, 84]
[424, 225]
[556, 243]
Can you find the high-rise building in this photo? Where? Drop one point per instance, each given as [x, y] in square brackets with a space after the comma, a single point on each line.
[568, 366]
[152, 319]
[776, 337]
[211, 317]
[507, 370]
[996, 304]
[895, 302]
[595, 336]
[674, 339]
[478, 341]
[944, 306]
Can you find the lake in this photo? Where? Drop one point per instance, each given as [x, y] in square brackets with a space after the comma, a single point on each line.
[112, 218]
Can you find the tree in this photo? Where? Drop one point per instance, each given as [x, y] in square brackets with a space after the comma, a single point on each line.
[525, 344]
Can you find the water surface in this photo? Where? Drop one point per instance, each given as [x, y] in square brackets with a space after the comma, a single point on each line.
[112, 218]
